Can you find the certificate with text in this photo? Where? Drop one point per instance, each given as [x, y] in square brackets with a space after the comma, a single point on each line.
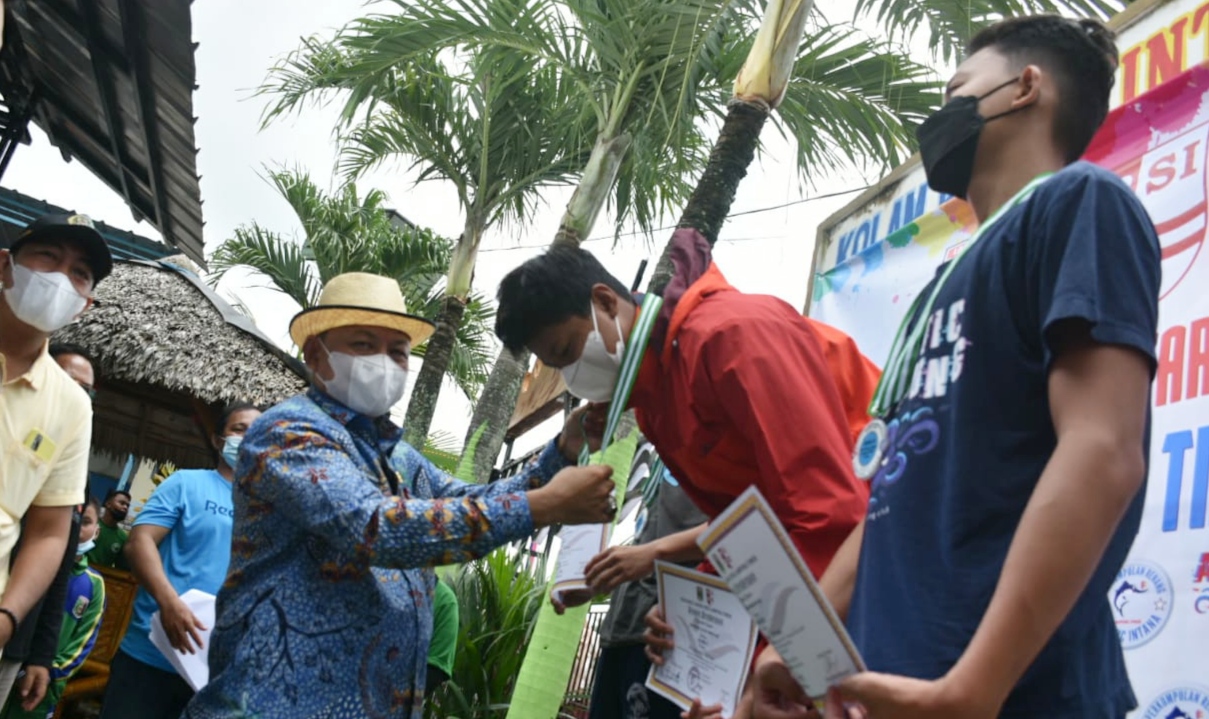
[577, 545]
[714, 640]
[754, 554]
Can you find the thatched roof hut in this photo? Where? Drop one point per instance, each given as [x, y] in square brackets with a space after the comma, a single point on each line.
[169, 353]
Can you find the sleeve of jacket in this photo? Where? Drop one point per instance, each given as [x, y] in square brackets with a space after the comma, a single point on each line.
[855, 376]
[50, 615]
[80, 636]
[305, 473]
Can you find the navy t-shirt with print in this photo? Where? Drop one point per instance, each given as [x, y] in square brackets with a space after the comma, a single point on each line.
[968, 445]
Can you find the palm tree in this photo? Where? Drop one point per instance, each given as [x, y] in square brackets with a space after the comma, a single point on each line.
[343, 232]
[495, 124]
[647, 72]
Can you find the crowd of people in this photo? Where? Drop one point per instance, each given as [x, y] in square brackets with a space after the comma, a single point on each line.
[971, 570]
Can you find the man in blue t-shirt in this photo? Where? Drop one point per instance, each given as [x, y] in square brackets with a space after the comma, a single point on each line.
[1012, 429]
[181, 540]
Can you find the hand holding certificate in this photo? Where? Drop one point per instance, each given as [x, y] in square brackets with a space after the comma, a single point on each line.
[761, 565]
[715, 639]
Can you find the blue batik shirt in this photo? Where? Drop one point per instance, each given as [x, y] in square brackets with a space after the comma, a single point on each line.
[970, 442]
[327, 609]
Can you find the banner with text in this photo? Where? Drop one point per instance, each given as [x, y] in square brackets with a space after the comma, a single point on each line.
[1159, 144]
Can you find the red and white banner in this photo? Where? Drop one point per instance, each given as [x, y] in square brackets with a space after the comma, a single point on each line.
[1159, 143]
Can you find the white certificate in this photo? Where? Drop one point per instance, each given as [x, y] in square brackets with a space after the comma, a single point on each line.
[756, 557]
[195, 668]
[577, 545]
[714, 639]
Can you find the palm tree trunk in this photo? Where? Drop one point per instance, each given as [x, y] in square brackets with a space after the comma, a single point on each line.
[494, 410]
[710, 203]
[497, 402]
[427, 391]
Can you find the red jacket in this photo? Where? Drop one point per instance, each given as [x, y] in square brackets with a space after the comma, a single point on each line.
[743, 390]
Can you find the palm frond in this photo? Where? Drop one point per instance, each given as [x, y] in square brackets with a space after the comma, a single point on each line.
[854, 100]
[951, 23]
[281, 261]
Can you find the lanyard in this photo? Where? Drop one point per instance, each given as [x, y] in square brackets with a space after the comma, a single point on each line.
[909, 340]
[650, 490]
[631, 360]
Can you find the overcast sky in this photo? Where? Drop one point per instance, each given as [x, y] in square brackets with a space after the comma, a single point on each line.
[767, 252]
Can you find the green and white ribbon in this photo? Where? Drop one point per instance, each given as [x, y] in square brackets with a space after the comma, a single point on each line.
[908, 343]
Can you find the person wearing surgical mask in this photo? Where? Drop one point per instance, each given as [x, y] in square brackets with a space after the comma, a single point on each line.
[181, 540]
[327, 608]
[47, 277]
[40, 688]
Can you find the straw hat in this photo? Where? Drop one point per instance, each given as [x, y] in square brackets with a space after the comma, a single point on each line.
[359, 298]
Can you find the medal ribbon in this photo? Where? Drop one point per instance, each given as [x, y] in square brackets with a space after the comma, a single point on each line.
[909, 340]
[631, 360]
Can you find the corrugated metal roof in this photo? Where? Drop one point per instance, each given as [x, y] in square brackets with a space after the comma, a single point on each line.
[18, 210]
[111, 83]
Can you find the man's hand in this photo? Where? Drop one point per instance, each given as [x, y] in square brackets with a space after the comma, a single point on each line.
[658, 636]
[885, 696]
[33, 686]
[617, 565]
[775, 693]
[570, 598]
[576, 495]
[181, 626]
[586, 423]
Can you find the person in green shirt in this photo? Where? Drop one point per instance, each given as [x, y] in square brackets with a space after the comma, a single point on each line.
[112, 538]
[444, 646]
[77, 636]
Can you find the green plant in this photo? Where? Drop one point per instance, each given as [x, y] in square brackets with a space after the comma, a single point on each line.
[498, 600]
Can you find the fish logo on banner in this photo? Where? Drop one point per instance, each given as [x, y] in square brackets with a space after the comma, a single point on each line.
[1141, 599]
[1186, 702]
[1171, 181]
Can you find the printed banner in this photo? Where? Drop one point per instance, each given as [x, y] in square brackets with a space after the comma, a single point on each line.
[1159, 144]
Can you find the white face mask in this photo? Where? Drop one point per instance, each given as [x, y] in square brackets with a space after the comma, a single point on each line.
[46, 301]
[594, 375]
[369, 385]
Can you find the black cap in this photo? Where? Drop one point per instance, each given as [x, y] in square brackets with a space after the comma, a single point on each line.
[79, 228]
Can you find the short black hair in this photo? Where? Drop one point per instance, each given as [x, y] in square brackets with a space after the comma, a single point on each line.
[58, 349]
[1082, 56]
[115, 492]
[92, 502]
[546, 290]
[230, 409]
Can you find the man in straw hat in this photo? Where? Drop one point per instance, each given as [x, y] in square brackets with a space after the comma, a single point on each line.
[327, 608]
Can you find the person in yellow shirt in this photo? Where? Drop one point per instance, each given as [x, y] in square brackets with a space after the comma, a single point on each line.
[47, 277]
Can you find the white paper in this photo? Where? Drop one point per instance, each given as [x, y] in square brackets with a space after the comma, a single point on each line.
[577, 545]
[714, 635]
[754, 554]
[193, 668]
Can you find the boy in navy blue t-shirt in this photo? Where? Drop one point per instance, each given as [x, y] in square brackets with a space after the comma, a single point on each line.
[1011, 429]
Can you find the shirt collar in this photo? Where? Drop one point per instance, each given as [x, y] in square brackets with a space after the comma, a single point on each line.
[36, 376]
[384, 430]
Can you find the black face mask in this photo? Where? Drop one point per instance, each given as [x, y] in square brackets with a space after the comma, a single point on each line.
[948, 142]
[117, 514]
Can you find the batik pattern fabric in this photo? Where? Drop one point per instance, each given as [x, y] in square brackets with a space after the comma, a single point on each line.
[327, 608]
